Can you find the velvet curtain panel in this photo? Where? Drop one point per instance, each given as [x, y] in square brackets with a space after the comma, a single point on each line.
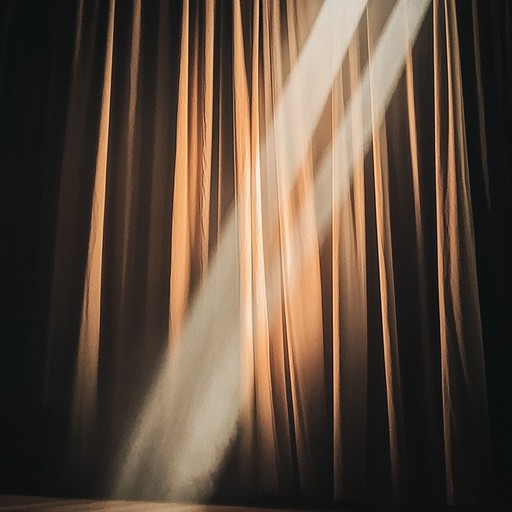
[262, 273]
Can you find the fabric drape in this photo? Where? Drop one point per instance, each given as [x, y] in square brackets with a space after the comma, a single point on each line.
[357, 313]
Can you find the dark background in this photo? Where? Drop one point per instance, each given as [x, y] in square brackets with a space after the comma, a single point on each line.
[36, 51]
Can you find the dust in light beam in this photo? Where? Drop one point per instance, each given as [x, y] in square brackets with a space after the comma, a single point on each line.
[190, 415]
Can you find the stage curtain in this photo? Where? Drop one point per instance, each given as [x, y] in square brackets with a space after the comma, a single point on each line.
[359, 330]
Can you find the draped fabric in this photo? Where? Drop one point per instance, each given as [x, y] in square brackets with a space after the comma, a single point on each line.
[279, 189]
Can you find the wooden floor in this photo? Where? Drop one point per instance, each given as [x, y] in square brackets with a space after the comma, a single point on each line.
[43, 504]
[46, 504]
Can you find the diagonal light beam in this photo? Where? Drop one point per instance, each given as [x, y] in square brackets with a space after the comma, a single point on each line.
[191, 412]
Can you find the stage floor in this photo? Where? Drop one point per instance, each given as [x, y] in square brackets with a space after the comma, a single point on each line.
[47, 504]
[44, 504]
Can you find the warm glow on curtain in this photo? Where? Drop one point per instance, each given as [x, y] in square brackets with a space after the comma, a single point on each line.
[347, 210]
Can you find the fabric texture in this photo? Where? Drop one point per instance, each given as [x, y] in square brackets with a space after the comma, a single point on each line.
[335, 209]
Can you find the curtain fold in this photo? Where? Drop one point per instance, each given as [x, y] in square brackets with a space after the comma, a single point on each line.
[356, 318]
[85, 382]
[462, 362]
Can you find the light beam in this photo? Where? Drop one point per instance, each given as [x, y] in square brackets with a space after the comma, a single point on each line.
[190, 415]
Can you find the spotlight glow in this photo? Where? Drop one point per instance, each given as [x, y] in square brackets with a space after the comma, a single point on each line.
[190, 416]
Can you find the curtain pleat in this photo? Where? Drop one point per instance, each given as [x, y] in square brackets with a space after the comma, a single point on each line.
[193, 167]
[462, 359]
[85, 382]
[387, 290]
[349, 310]
[74, 318]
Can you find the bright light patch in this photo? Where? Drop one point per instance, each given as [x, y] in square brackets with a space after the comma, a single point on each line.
[190, 416]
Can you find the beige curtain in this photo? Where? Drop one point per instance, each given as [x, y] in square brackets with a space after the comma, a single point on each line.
[361, 371]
